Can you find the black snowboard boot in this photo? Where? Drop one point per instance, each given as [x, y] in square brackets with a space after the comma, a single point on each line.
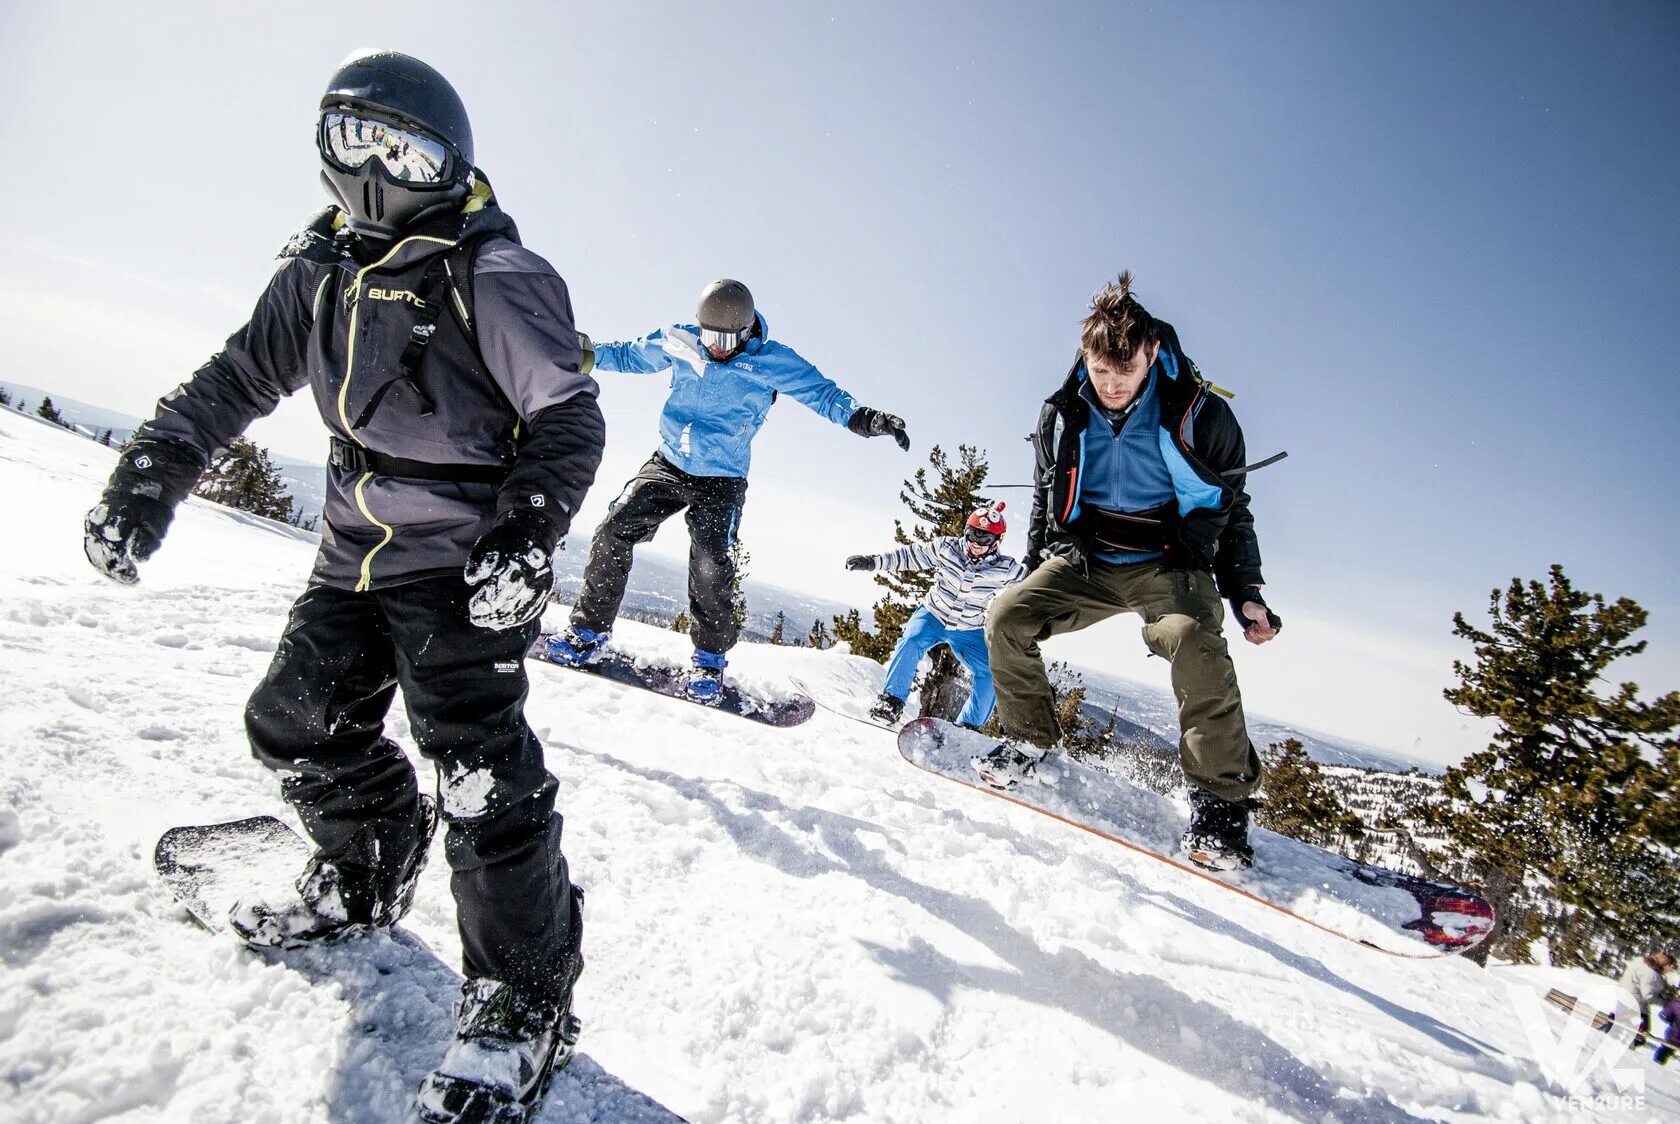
[507, 1047]
[1009, 764]
[1218, 835]
[319, 907]
[887, 708]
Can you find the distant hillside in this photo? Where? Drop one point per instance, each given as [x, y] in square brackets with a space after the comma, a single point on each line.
[1144, 714]
[306, 482]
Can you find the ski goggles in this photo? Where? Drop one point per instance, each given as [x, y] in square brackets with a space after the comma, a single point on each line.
[349, 142]
[980, 537]
[723, 341]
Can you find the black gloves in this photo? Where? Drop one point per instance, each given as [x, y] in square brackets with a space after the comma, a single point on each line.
[861, 562]
[1252, 593]
[873, 423]
[511, 570]
[128, 523]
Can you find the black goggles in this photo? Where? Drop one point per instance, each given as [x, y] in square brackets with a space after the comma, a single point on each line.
[979, 537]
[349, 142]
[724, 341]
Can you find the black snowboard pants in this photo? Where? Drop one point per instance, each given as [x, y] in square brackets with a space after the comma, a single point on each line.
[654, 494]
[317, 719]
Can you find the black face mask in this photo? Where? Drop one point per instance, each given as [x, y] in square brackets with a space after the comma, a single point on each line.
[388, 178]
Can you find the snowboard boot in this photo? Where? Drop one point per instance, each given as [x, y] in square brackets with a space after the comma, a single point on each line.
[1218, 835]
[318, 908]
[887, 708]
[705, 678]
[1011, 763]
[507, 1047]
[576, 647]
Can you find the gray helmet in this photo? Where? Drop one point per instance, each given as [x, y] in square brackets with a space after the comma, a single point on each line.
[726, 306]
[401, 91]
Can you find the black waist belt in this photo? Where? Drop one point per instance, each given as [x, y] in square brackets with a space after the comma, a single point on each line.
[354, 458]
[1139, 532]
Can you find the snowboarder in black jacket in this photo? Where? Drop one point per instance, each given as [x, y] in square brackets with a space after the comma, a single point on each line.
[444, 360]
[1139, 506]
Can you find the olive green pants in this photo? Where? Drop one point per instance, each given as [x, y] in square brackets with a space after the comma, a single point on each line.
[1181, 613]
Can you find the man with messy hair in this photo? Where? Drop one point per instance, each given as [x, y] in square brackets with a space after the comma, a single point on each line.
[1138, 506]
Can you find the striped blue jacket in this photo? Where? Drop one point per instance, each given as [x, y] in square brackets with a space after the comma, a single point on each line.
[962, 586]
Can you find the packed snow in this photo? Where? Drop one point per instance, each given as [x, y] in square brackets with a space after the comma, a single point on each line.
[781, 924]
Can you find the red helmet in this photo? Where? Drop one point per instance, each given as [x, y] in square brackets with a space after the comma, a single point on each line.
[988, 519]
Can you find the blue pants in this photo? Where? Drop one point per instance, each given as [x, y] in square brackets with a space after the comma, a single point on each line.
[923, 632]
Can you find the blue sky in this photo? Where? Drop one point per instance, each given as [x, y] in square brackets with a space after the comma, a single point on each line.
[1430, 246]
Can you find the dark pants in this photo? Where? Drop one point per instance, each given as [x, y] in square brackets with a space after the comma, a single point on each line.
[656, 493]
[1181, 614]
[318, 718]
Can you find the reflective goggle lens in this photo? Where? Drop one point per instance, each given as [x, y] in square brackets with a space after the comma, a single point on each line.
[978, 537]
[350, 142]
[727, 341]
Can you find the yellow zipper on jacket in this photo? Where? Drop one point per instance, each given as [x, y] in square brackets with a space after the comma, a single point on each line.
[366, 581]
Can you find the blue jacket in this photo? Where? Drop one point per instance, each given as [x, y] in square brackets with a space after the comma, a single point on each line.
[715, 409]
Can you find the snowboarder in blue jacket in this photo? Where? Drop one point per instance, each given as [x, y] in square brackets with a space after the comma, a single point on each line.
[726, 373]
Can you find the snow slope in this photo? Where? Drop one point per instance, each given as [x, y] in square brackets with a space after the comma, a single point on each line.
[782, 925]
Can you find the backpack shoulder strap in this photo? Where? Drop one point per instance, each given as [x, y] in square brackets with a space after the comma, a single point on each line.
[458, 273]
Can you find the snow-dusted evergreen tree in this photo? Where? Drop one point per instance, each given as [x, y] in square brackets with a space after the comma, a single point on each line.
[5, 397]
[1300, 803]
[244, 477]
[682, 622]
[819, 636]
[737, 595]
[1568, 820]
[777, 631]
[50, 412]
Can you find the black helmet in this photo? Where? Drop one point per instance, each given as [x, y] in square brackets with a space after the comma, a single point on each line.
[395, 143]
[726, 306]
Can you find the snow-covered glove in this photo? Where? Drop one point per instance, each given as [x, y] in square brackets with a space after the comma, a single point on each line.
[587, 346]
[873, 423]
[511, 569]
[861, 562]
[127, 525]
[1252, 594]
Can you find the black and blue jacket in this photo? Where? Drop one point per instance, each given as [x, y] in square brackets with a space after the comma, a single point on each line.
[1201, 443]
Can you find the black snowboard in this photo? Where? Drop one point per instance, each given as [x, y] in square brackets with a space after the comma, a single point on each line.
[668, 680]
[210, 867]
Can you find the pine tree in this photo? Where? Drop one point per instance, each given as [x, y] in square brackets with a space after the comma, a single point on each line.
[5, 397]
[681, 623]
[50, 412]
[776, 632]
[105, 438]
[1082, 737]
[1300, 803]
[819, 637]
[1568, 819]
[940, 506]
[245, 478]
[737, 595]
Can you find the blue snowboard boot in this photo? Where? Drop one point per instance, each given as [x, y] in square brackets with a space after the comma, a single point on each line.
[705, 677]
[576, 647]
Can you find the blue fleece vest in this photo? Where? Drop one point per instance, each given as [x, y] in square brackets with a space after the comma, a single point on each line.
[1123, 470]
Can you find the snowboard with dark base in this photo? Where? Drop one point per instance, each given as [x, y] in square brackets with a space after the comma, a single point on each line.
[1382, 909]
[210, 867]
[670, 680]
